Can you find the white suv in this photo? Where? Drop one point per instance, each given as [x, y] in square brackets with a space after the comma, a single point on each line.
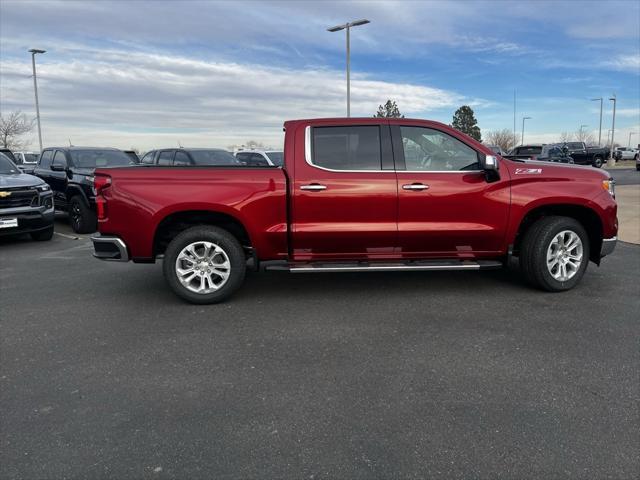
[260, 158]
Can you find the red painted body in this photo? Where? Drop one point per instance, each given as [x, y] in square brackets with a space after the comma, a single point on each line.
[360, 215]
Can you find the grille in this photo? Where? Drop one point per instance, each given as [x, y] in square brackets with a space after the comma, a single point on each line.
[19, 198]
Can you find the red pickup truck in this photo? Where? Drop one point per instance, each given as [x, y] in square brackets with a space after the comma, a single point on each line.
[358, 194]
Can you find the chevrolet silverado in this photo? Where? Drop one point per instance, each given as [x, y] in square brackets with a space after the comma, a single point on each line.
[357, 194]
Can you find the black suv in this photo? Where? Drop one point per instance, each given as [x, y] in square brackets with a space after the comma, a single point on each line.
[26, 203]
[69, 172]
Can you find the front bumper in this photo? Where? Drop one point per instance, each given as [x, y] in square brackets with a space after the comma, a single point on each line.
[31, 220]
[110, 249]
[608, 246]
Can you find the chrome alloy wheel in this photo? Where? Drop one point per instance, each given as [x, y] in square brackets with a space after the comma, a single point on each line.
[202, 267]
[564, 255]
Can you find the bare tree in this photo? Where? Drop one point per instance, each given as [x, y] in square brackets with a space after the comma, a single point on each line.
[12, 128]
[502, 138]
[565, 137]
[248, 144]
[585, 136]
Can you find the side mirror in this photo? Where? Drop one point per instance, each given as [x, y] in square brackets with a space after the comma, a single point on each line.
[491, 166]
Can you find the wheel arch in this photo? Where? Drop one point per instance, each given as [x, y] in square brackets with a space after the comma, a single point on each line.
[586, 216]
[176, 222]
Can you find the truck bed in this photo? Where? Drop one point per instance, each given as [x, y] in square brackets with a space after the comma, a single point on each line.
[141, 197]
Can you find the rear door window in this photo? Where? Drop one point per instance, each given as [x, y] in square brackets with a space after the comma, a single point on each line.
[347, 148]
[181, 159]
[165, 157]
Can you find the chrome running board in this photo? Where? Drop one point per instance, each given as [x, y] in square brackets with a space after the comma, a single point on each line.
[418, 265]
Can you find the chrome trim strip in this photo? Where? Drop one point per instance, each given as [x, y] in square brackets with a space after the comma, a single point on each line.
[384, 268]
[120, 245]
[608, 246]
[308, 158]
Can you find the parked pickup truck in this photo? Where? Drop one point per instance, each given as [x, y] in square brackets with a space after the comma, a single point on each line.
[584, 155]
[363, 194]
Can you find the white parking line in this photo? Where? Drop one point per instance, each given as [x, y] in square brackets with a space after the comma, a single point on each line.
[72, 237]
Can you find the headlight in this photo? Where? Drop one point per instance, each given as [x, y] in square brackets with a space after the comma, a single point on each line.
[43, 188]
[610, 186]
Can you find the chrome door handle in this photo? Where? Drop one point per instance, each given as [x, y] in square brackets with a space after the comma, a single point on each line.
[415, 186]
[314, 187]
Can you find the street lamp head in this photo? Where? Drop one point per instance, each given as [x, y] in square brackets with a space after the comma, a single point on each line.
[364, 21]
[357, 23]
[35, 50]
[613, 99]
[526, 118]
[337, 28]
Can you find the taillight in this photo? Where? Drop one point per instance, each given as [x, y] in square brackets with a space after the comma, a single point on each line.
[100, 184]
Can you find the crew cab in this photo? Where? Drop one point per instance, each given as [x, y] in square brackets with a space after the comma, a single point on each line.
[358, 194]
[69, 173]
[587, 155]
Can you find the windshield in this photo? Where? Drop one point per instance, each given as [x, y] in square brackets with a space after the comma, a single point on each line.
[6, 166]
[30, 158]
[99, 158]
[277, 158]
[213, 157]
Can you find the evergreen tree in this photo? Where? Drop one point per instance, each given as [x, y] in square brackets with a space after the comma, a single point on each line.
[465, 121]
[388, 110]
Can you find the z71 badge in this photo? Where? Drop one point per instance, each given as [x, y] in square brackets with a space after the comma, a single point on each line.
[528, 171]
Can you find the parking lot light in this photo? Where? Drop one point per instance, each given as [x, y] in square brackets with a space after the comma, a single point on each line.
[33, 52]
[629, 142]
[613, 131]
[523, 119]
[600, 130]
[347, 26]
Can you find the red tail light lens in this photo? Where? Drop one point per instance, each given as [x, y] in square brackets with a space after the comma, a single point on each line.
[100, 184]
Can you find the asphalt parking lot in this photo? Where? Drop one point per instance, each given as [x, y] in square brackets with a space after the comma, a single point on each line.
[105, 374]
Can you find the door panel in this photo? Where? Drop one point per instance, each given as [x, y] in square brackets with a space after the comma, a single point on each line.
[443, 209]
[344, 205]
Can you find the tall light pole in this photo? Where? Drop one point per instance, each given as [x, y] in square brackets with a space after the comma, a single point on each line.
[348, 26]
[600, 130]
[581, 127]
[629, 143]
[613, 130]
[523, 119]
[35, 89]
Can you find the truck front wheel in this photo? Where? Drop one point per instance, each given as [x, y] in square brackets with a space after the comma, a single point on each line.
[554, 253]
[204, 265]
[597, 162]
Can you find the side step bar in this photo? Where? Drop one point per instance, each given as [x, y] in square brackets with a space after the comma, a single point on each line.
[422, 265]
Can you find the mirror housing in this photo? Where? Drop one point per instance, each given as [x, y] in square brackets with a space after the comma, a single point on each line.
[491, 166]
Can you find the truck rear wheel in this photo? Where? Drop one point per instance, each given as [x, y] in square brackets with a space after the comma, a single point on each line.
[554, 253]
[204, 265]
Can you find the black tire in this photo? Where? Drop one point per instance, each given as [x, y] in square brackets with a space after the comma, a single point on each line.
[43, 235]
[597, 162]
[218, 236]
[81, 217]
[533, 253]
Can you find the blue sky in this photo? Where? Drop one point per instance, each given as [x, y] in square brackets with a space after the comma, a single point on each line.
[150, 74]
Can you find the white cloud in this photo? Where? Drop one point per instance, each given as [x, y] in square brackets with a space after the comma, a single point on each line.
[629, 63]
[125, 98]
